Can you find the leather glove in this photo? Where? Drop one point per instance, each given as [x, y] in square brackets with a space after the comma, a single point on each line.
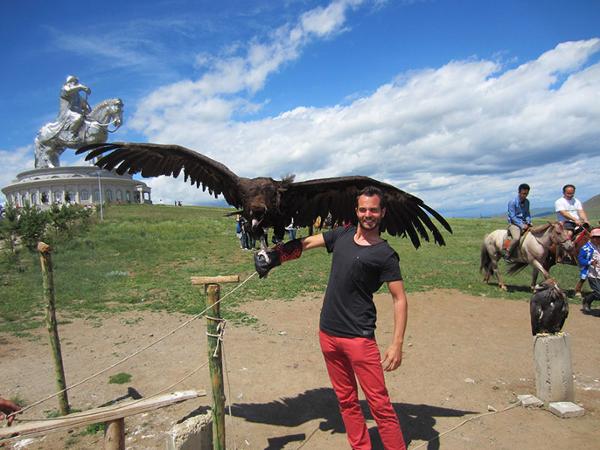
[264, 261]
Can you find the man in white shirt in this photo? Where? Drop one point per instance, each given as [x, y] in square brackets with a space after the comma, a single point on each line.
[570, 210]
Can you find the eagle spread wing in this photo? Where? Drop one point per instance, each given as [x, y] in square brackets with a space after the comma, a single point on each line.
[406, 215]
[152, 160]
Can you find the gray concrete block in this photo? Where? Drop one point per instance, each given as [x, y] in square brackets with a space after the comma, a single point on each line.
[565, 410]
[530, 401]
[194, 433]
[553, 369]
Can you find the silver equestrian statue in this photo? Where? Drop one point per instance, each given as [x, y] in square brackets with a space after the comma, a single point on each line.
[77, 124]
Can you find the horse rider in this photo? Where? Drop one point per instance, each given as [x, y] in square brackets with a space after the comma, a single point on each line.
[519, 220]
[570, 211]
[73, 106]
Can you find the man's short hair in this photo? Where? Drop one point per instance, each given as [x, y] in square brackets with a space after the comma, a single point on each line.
[567, 186]
[371, 191]
[524, 187]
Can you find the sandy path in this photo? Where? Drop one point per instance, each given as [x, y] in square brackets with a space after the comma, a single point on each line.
[462, 353]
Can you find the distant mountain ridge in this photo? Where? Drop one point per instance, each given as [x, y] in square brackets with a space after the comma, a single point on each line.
[592, 208]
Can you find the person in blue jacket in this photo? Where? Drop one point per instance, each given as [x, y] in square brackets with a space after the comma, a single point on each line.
[519, 219]
[589, 261]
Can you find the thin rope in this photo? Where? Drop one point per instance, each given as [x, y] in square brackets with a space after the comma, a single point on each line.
[91, 413]
[153, 343]
[433, 439]
[464, 422]
[87, 414]
[308, 438]
[220, 336]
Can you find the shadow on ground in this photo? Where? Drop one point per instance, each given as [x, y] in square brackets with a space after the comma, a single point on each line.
[418, 421]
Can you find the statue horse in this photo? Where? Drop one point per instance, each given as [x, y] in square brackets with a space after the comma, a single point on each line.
[534, 249]
[53, 138]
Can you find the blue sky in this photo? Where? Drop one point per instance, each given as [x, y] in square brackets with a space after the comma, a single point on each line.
[454, 101]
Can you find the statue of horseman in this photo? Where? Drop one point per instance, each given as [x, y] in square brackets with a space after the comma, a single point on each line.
[76, 124]
[73, 106]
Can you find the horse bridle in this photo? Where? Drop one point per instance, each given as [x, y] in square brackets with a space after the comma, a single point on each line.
[554, 238]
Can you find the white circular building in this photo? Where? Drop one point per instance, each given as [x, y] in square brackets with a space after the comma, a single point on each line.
[83, 185]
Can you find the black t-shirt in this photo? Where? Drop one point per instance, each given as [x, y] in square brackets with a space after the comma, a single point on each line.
[357, 272]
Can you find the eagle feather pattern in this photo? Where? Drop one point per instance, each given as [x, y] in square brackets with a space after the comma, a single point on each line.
[273, 203]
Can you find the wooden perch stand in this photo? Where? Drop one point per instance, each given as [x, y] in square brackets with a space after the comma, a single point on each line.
[214, 329]
[52, 325]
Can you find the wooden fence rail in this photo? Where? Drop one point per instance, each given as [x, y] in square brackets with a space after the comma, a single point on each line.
[113, 416]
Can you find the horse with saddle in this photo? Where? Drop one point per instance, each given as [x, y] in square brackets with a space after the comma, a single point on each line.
[537, 247]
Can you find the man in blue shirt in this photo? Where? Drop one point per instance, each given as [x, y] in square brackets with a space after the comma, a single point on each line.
[519, 219]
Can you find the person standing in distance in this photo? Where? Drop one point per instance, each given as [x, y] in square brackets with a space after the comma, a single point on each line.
[362, 261]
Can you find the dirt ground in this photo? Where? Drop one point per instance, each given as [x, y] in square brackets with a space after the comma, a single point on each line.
[463, 355]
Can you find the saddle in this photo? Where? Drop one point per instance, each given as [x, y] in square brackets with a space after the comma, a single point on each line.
[506, 243]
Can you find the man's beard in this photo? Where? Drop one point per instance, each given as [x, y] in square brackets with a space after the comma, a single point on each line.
[371, 225]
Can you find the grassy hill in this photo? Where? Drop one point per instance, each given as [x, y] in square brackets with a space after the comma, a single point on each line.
[142, 256]
[592, 207]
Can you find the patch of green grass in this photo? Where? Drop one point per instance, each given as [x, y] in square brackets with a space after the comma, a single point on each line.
[52, 413]
[16, 398]
[94, 428]
[119, 378]
[142, 256]
[132, 321]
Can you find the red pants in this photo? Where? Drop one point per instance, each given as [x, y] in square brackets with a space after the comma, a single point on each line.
[348, 359]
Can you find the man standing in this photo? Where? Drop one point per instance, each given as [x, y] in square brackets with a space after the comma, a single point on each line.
[361, 263]
[570, 210]
[519, 219]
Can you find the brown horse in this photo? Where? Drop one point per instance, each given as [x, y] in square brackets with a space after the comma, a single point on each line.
[534, 249]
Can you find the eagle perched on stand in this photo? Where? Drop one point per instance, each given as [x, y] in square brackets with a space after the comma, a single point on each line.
[265, 202]
[548, 308]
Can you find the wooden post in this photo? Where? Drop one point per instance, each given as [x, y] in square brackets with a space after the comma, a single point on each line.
[215, 364]
[114, 435]
[215, 361]
[48, 283]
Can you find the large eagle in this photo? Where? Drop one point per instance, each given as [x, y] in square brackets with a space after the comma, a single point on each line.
[266, 202]
[548, 308]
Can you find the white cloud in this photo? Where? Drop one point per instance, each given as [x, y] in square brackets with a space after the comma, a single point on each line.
[241, 71]
[459, 135]
[447, 133]
[17, 160]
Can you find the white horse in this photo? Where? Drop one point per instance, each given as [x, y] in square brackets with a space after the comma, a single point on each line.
[52, 139]
[533, 250]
